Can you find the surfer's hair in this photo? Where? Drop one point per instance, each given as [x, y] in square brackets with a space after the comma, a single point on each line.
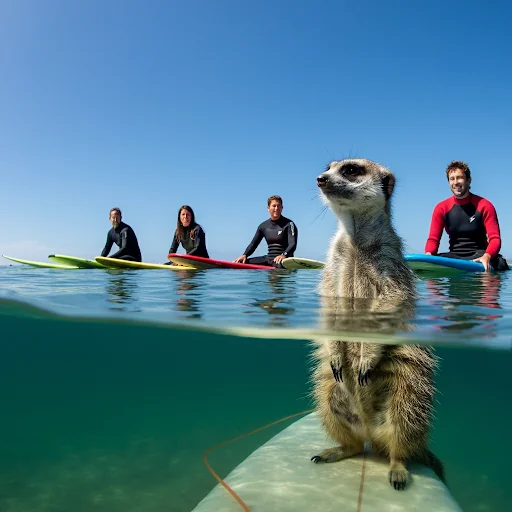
[180, 228]
[457, 164]
[115, 210]
[274, 198]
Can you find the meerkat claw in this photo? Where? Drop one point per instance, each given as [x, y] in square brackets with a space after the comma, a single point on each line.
[364, 377]
[337, 372]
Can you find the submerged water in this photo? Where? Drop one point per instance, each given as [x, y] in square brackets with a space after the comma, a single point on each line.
[113, 383]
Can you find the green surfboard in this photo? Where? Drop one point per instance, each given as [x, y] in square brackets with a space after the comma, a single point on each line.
[74, 261]
[40, 264]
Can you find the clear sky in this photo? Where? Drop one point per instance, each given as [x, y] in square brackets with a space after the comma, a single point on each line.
[148, 105]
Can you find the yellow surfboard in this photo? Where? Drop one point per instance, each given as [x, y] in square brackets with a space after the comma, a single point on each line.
[117, 263]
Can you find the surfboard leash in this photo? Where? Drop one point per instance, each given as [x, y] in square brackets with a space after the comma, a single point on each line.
[218, 478]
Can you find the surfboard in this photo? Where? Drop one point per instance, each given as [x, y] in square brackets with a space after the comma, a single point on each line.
[74, 261]
[40, 264]
[301, 263]
[279, 475]
[422, 264]
[428, 264]
[205, 263]
[117, 263]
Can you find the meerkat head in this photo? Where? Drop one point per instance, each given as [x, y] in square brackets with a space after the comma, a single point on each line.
[356, 185]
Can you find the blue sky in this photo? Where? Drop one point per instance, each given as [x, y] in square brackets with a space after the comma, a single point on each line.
[148, 105]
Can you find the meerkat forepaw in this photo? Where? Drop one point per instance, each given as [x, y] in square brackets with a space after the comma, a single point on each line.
[398, 476]
[365, 368]
[337, 368]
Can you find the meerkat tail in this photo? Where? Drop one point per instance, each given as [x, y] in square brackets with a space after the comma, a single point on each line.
[427, 458]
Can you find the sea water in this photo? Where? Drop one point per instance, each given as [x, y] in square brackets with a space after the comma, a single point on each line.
[114, 383]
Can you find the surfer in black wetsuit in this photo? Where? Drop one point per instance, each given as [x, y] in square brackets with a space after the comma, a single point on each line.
[279, 232]
[189, 234]
[124, 236]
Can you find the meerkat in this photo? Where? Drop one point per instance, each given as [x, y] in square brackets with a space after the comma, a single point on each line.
[372, 392]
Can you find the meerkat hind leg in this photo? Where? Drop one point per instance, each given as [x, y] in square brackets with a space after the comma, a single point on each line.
[337, 453]
[398, 474]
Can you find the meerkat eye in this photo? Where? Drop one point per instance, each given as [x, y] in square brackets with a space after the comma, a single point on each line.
[352, 170]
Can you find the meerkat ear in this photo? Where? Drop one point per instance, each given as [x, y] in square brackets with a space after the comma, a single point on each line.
[388, 184]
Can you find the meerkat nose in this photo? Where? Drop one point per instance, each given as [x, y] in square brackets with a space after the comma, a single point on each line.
[321, 180]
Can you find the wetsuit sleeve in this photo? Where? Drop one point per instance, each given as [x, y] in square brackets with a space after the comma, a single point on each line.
[492, 228]
[199, 237]
[108, 246]
[293, 235]
[124, 243]
[436, 230]
[258, 237]
[174, 245]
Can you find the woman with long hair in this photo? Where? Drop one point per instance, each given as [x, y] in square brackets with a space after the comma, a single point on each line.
[189, 234]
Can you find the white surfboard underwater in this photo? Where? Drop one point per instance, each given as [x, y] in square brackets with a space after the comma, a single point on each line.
[279, 476]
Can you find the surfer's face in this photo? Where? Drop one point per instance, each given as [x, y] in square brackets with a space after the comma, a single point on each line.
[185, 218]
[275, 208]
[459, 184]
[115, 219]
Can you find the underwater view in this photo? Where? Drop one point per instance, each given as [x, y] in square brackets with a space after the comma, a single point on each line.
[113, 383]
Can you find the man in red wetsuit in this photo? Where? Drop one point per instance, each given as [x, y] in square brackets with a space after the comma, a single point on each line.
[470, 221]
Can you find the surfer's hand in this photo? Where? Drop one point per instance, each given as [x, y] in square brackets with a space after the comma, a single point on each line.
[365, 368]
[241, 259]
[485, 260]
[279, 259]
[337, 368]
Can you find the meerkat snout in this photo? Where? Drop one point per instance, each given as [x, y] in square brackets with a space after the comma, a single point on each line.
[322, 180]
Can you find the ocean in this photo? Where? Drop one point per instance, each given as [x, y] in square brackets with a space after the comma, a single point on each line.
[113, 383]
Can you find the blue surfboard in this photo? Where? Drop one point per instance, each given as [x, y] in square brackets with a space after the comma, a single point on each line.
[426, 263]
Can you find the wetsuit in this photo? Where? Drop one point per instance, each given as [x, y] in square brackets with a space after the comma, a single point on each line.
[125, 238]
[194, 245]
[473, 228]
[281, 237]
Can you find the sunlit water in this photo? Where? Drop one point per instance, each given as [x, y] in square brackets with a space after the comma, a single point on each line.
[113, 383]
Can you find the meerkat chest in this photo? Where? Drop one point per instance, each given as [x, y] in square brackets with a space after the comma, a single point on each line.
[354, 274]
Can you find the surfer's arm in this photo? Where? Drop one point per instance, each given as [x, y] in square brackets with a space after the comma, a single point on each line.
[107, 247]
[258, 237]
[293, 235]
[174, 245]
[492, 229]
[124, 243]
[199, 238]
[436, 230]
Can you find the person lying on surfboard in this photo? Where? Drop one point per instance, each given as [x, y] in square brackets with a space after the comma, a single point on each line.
[279, 232]
[189, 234]
[124, 237]
[470, 221]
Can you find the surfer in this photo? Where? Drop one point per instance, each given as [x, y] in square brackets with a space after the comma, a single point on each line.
[470, 221]
[124, 236]
[279, 232]
[189, 234]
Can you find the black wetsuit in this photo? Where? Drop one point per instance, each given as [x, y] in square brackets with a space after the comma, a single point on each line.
[194, 245]
[281, 237]
[125, 238]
